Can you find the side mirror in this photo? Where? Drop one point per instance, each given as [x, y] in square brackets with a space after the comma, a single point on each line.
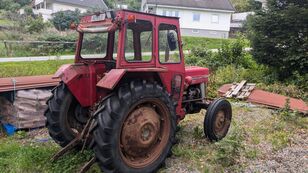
[172, 41]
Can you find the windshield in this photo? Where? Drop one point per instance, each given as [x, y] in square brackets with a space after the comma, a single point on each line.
[94, 45]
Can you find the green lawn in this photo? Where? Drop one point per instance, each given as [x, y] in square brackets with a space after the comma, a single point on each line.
[14, 69]
[210, 43]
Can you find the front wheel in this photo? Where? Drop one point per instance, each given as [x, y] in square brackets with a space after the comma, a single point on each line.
[135, 130]
[217, 119]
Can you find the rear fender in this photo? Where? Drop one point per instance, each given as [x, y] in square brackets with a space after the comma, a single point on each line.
[115, 76]
[81, 80]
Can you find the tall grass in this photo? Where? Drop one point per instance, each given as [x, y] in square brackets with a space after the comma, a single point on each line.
[14, 69]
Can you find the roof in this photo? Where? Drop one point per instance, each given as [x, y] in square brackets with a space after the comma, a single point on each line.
[205, 4]
[86, 3]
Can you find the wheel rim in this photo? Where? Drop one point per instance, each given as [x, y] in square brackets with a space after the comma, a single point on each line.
[145, 133]
[221, 123]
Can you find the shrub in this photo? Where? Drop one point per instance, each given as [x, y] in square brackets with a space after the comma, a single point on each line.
[35, 24]
[58, 48]
[62, 19]
[279, 37]
[231, 53]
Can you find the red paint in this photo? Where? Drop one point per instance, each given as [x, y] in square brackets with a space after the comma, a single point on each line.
[91, 80]
[111, 79]
[277, 101]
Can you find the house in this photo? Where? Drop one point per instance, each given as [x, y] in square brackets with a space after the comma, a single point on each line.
[202, 18]
[238, 20]
[264, 3]
[47, 7]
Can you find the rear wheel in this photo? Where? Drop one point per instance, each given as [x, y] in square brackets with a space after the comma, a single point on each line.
[217, 119]
[65, 117]
[135, 130]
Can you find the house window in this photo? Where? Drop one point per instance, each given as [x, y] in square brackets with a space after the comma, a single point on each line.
[196, 17]
[170, 13]
[176, 14]
[196, 31]
[215, 18]
[164, 13]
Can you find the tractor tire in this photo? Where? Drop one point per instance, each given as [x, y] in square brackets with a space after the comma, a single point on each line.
[135, 129]
[217, 120]
[65, 117]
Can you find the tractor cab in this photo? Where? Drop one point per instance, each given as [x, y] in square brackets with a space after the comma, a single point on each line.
[129, 36]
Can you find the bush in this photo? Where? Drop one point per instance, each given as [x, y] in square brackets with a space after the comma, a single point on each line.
[279, 37]
[231, 53]
[35, 24]
[58, 48]
[62, 20]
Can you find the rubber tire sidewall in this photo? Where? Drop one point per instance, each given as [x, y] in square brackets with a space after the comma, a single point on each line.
[210, 117]
[110, 159]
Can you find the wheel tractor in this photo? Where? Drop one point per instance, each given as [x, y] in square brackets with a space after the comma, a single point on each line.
[127, 91]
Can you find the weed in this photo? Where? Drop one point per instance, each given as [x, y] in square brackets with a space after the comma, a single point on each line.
[198, 133]
[229, 149]
[279, 139]
[251, 153]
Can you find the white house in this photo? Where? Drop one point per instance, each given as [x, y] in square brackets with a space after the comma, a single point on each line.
[202, 18]
[47, 7]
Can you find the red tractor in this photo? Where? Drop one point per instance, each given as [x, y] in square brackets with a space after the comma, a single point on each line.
[129, 76]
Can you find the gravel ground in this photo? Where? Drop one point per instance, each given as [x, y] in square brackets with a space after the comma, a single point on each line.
[292, 159]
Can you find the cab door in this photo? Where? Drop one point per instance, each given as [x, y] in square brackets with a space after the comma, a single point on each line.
[170, 56]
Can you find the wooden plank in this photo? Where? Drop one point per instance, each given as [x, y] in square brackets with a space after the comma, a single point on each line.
[229, 93]
[238, 88]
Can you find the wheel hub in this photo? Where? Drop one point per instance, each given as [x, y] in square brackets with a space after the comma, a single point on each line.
[140, 131]
[220, 121]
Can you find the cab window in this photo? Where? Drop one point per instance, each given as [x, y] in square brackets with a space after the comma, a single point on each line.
[94, 45]
[139, 41]
[169, 51]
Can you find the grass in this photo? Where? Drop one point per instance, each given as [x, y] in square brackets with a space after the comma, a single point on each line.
[14, 69]
[35, 157]
[210, 43]
[5, 22]
[192, 153]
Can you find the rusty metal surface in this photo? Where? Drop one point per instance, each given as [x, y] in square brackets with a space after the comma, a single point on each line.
[145, 133]
[269, 99]
[221, 123]
[224, 89]
[277, 101]
[29, 82]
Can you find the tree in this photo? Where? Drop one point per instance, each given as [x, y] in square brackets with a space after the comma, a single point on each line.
[246, 5]
[279, 36]
[62, 20]
[13, 5]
